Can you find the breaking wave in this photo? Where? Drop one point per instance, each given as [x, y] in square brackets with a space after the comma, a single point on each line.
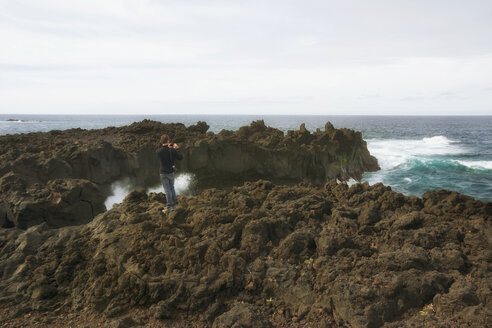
[393, 152]
[414, 166]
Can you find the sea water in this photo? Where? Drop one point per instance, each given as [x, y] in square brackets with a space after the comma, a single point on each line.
[416, 153]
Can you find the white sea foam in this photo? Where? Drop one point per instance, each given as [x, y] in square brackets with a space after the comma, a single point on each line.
[122, 188]
[351, 181]
[408, 180]
[118, 191]
[442, 140]
[374, 177]
[393, 152]
[479, 165]
[181, 184]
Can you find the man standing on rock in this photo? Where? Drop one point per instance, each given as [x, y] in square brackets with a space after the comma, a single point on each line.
[166, 155]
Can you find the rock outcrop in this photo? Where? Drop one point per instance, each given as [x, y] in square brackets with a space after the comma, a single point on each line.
[47, 176]
[262, 255]
[258, 254]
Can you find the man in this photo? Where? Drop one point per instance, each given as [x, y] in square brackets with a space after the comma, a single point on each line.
[166, 155]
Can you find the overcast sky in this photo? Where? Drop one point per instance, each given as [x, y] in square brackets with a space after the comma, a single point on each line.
[246, 57]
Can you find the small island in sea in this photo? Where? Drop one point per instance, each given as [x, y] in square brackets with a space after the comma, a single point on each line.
[271, 235]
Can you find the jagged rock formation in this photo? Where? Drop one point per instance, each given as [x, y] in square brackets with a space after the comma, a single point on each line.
[39, 172]
[263, 255]
[313, 254]
[58, 203]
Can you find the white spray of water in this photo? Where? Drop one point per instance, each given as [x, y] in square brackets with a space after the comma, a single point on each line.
[351, 182]
[394, 152]
[478, 165]
[118, 191]
[181, 184]
[121, 188]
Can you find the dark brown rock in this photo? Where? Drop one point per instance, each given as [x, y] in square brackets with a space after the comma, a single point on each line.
[263, 254]
[242, 316]
[408, 221]
[126, 322]
[6, 217]
[58, 203]
[44, 292]
[29, 163]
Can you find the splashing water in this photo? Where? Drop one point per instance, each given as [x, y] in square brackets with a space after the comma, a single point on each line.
[394, 152]
[416, 153]
[121, 188]
[414, 166]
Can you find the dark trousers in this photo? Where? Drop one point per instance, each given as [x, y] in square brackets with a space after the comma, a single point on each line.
[168, 184]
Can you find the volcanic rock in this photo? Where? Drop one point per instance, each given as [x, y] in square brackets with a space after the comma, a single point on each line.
[84, 163]
[264, 255]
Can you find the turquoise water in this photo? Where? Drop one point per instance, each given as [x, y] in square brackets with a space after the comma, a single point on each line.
[416, 153]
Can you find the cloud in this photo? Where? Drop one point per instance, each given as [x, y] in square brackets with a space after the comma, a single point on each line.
[225, 56]
[448, 94]
[413, 98]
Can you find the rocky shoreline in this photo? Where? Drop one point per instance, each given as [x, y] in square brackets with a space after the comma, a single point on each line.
[42, 175]
[263, 255]
[259, 254]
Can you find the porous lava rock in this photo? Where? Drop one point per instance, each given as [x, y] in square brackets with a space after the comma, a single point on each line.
[263, 255]
[91, 160]
[58, 203]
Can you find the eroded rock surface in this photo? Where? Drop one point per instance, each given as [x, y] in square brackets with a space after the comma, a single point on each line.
[33, 165]
[264, 255]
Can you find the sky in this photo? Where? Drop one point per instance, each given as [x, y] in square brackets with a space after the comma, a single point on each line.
[325, 57]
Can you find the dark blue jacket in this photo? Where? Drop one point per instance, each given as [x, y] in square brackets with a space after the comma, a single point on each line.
[166, 157]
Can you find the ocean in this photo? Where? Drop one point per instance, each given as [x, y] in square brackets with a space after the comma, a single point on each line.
[416, 153]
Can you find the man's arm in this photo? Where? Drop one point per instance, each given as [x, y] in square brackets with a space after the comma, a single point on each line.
[177, 154]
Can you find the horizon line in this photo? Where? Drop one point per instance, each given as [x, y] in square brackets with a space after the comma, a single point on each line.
[202, 114]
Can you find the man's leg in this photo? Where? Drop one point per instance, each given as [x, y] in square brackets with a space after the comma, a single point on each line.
[173, 192]
[167, 190]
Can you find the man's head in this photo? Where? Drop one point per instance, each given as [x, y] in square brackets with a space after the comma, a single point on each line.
[164, 139]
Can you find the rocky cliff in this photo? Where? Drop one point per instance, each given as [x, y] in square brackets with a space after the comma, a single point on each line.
[259, 255]
[63, 177]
